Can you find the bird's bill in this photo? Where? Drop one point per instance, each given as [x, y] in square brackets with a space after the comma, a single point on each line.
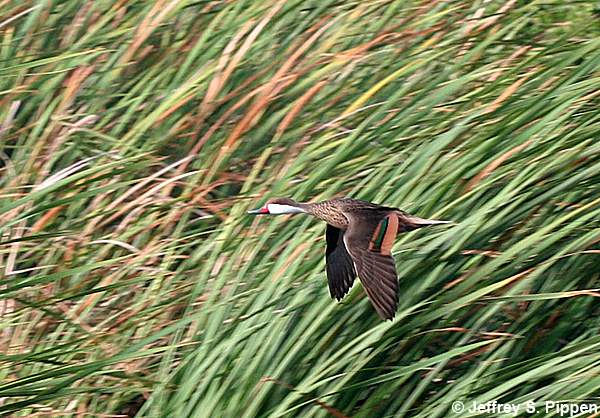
[259, 211]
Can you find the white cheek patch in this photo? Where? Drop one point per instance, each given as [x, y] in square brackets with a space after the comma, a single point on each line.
[276, 209]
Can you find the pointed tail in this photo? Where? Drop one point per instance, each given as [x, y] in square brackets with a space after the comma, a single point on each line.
[413, 222]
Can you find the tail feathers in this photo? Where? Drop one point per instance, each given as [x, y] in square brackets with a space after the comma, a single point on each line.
[414, 222]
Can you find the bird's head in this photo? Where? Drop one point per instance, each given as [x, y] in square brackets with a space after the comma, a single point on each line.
[278, 206]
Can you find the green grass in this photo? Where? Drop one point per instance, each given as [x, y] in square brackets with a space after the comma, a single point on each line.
[135, 135]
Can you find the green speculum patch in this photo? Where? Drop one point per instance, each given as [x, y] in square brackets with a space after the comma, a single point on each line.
[382, 230]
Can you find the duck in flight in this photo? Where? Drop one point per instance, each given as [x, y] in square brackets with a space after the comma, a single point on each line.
[359, 236]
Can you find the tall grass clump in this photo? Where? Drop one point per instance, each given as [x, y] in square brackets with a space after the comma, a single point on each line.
[134, 135]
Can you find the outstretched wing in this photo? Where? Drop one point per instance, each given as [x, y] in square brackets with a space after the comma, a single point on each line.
[369, 240]
[340, 268]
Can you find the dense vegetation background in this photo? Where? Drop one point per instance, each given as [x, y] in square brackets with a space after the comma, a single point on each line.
[134, 135]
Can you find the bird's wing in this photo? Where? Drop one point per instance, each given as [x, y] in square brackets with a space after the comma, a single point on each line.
[340, 268]
[369, 240]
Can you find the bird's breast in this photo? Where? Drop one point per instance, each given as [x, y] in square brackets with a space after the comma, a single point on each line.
[332, 215]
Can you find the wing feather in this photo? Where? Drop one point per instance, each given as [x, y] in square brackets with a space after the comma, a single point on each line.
[340, 268]
[369, 240]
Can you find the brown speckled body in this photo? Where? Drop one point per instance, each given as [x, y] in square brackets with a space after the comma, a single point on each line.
[333, 211]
